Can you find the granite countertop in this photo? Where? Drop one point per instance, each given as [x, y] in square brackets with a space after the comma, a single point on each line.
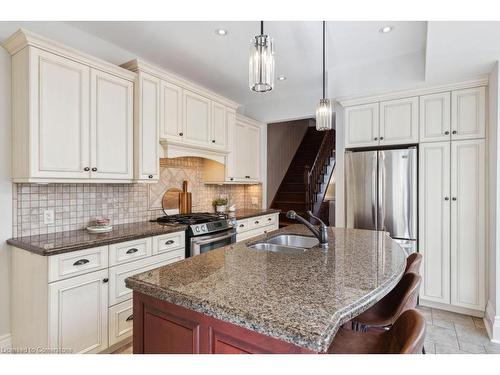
[63, 242]
[301, 298]
[245, 213]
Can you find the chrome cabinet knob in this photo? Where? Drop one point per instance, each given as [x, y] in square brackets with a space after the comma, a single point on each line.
[86, 169]
[447, 133]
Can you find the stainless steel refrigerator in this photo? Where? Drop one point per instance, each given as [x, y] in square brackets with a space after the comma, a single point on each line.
[381, 193]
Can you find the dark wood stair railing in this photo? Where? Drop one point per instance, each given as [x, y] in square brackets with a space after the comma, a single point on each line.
[313, 174]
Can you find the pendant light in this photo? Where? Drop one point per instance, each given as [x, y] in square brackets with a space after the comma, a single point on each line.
[261, 64]
[324, 110]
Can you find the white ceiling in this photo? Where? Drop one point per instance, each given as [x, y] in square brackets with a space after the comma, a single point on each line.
[360, 59]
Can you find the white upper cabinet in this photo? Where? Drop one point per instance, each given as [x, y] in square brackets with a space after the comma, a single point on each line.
[245, 155]
[435, 122]
[146, 128]
[111, 126]
[362, 125]
[468, 230]
[399, 121]
[171, 125]
[434, 220]
[468, 113]
[57, 93]
[218, 133]
[72, 115]
[197, 118]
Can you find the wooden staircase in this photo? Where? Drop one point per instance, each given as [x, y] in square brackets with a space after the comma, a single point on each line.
[304, 186]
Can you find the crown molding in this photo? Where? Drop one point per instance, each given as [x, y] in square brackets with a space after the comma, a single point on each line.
[137, 65]
[248, 120]
[424, 90]
[23, 38]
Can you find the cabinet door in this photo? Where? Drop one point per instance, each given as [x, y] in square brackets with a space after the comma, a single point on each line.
[147, 142]
[435, 117]
[219, 126]
[434, 215]
[253, 153]
[231, 136]
[111, 127]
[171, 112]
[468, 113]
[468, 224]
[78, 310]
[240, 152]
[362, 125]
[399, 121]
[197, 119]
[60, 115]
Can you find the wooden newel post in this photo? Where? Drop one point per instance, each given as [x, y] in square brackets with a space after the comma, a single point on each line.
[307, 184]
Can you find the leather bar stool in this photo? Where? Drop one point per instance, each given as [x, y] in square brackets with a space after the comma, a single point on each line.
[413, 263]
[385, 312]
[406, 336]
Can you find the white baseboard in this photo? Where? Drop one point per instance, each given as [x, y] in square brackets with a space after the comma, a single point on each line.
[447, 307]
[492, 323]
[6, 341]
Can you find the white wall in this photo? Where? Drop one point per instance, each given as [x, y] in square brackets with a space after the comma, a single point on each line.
[62, 33]
[493, 307]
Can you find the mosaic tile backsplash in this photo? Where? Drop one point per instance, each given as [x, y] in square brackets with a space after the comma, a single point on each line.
[75, 205]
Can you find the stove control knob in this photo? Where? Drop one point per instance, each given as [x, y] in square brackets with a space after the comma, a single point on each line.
[203, 228]
[197, 229]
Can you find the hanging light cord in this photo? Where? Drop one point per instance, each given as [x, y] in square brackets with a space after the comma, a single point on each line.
[324, 25]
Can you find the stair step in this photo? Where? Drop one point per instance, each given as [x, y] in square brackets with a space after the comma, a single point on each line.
[298, 196]
[285, 206]
[293, 187]
[295, 177]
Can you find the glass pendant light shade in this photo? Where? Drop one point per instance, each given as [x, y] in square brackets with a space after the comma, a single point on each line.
[324, 115]
[324, 110]
[261, 64]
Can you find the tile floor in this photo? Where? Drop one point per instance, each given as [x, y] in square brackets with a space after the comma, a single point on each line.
[447, 333]
[451, 333]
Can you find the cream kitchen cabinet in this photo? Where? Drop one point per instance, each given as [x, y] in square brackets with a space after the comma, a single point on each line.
[71, 115]
[81, 330]
[196, 118]
[111, 127]
[452, 224]
[245, 154]
[468, 113]
[218, 126]
[147, 127]
[362, 125]
[48, 293]
[256, 226]
[398, 121]
[171, 124]
[435, 117]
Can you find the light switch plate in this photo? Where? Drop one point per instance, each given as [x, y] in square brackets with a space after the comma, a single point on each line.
[48, 216]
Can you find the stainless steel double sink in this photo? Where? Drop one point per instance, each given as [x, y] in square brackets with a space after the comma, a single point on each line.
[286, 243]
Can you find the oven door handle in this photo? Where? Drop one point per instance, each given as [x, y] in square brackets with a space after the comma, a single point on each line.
[213, 239]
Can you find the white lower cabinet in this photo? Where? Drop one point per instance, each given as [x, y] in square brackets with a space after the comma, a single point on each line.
[255, 226]
[452, 223]
[120, 322]
[73, 302]
[78, 310]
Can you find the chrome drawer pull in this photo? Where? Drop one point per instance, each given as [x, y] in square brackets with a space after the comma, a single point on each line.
[133, 250]
[131, 317]
[269, 219]
[257, 222]
[81, 262]
[169, 242]
[242, 225]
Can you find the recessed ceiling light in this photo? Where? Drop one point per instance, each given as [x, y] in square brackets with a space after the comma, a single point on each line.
[281, 78]
[386, 29]
[221, 32]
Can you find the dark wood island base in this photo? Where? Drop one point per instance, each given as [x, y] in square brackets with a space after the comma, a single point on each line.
[164, 328]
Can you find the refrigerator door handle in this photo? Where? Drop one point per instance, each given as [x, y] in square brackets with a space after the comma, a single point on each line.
[381, 191]
[375, 190]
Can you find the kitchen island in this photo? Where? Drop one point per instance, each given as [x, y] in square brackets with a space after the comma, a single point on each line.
[239, 300]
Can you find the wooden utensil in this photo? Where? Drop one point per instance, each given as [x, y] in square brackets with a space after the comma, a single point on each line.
[170, 200]
[185, 199]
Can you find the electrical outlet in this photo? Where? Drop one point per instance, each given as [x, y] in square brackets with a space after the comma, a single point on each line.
[48, 217]
[255, 201]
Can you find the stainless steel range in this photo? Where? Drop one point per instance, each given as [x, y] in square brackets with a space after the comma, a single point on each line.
[205, 231]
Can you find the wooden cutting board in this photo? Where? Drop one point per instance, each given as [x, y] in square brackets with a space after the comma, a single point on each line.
[170, 200]
[185, 199]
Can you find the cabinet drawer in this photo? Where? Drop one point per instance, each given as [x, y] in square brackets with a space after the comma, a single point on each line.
[255, 232]
[257, 222]
[169, 242]
[129, 251]
[118, 292]
[120, 322]
[242, 226]
[270, 219]
[76, 263]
